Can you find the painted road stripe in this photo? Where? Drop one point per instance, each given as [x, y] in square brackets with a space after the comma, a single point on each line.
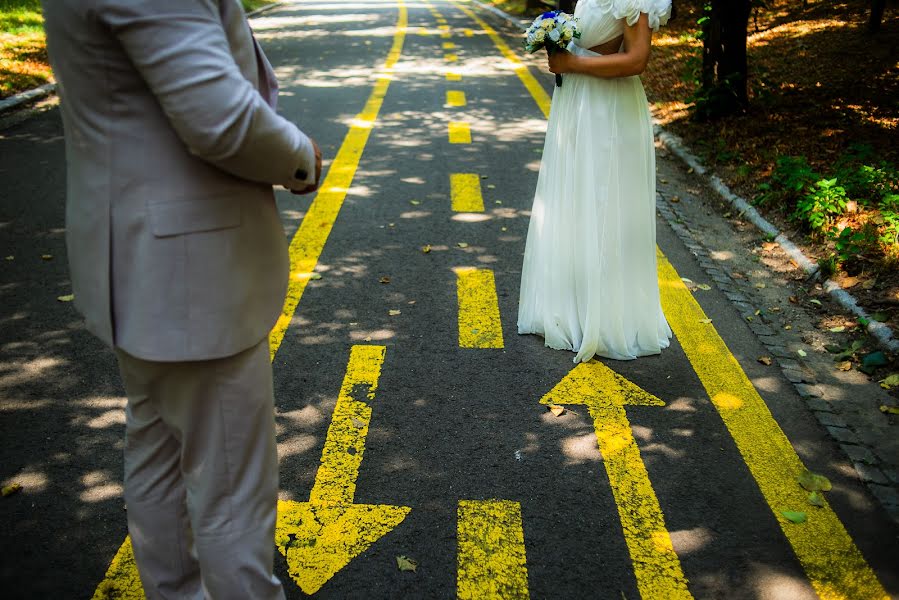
[450, 58]
[479, 322]
[453, 76]
[468, 33]
[532, 85]
[465, 190]
[122, 580]
[835, 570]
[320, 537]
[834, 565]
[605, 393]
[459, 132]
[491, 559]
[455, 98]
[448, 45]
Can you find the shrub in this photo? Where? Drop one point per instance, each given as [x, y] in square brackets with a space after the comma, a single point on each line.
[820, 205]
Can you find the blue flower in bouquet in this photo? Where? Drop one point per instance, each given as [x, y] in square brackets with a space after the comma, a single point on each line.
[552, 30]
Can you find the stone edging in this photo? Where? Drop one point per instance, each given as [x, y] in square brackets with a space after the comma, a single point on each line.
[17, 100]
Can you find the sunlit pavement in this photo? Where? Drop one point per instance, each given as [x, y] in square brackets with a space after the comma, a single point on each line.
[427, 450]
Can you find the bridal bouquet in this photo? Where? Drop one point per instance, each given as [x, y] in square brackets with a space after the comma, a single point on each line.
[552, 30]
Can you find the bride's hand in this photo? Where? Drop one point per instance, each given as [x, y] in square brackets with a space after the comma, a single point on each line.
[561, 61]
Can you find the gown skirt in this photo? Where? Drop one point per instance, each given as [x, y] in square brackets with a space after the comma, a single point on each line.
[589, 282]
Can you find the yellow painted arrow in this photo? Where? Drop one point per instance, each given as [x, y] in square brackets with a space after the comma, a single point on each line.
[320, 537]
[605, 393]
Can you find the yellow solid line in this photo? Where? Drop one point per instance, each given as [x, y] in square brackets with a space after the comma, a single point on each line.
[310, 238]
[465, 191]
[491, 559]
[459, 132]
[122, 580]
[448, 45]
[455, 98]
[479, 321]
[453, 76]
[536, 90]
[834, 565]
[605, 393]
[335, 481]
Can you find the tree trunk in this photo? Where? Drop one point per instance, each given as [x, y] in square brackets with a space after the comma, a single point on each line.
[566, 6]
[877, 7]
[724, 61]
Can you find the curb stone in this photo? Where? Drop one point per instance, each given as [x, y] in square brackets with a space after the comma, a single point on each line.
[28, 96]
[888, 497]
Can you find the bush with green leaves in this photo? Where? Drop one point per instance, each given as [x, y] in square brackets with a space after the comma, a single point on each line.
[821, 204]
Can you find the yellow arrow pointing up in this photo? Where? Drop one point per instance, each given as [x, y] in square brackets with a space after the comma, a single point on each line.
[320, 537]
[605, 393]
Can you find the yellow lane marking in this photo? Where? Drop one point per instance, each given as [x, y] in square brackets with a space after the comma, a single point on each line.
[453, 76]
[834, 565]
[309, 240]
[605, 393]
[459, 132]
[479, 322]
[532, 85]
[448, 45]
[320, 537]
[451, 58]
[465, 190]
[122, 580]
[491, 559]
[455, 98]
[446, 34]
[469, 33]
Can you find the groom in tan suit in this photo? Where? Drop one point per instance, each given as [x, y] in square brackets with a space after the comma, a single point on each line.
[179, 262]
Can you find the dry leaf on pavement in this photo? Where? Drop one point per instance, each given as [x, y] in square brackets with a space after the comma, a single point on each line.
[404, 563]
[556, 409]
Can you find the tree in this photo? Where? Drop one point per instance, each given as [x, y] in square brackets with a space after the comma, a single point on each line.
[724, 62]
[877, 7]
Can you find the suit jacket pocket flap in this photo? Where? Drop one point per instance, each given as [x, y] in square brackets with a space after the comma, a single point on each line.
[194, 216]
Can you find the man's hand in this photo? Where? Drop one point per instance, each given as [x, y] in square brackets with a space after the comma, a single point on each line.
[318, 172]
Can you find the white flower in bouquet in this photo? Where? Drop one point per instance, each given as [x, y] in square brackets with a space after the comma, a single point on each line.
[552, 30]
[540, 36]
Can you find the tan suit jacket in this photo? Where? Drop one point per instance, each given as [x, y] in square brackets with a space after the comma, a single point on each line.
[175, 245]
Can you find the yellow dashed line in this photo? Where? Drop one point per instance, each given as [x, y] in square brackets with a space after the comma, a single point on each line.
[491, 557]
[465, 191]
[605, 393]
[448, 45]
[122, 580]
[450, 57]
[469, 33]
[455, 98]
[479, 321]
[459, 132]
[834, 565]
[453, 76]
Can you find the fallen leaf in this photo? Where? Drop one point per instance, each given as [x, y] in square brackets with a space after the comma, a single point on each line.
[391, 224]
[10, 257]
[765, 360]
[357, 423]
[737, 275]
[497, 201]
[775, 309]
[793, 299]
[462, 245]
[47, 256]
[704, 286]
[484, 176]
[675, 199]
[368, 338]
[788, 327]
[812, 482]
[404, 563]
[760, 285]
[848, 282]
[315, 276]
[394, 313]
[802, 352]
[410, 302]
[758, 312]
[66, 298]
[426, 248]
[384, 279]
[414, 202]
[504, 229]
[663, 180]
[556, 409]
[846, 365]
[706, 321]
[816, 499]
[685, 280]
[690, 170]
[793, 516]
[770, 246]
[838, 329]
[869, 283]
[11, 489]
[490, 186]
[890, 381]
[889, 410]
[815, 301]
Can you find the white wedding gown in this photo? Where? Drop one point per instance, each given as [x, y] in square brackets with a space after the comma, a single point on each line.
[589, 281]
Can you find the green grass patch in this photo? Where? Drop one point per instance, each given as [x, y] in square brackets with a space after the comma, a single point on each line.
[249, 5]
[23, 48]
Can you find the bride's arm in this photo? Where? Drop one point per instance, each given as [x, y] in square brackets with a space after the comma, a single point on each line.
[630, 61]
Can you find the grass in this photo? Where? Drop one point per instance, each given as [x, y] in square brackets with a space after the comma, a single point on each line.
[23, 47]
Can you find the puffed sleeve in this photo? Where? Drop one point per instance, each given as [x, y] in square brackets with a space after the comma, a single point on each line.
[659, 11]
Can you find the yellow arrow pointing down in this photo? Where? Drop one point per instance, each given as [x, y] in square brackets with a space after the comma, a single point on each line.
[605, 393]
[320, 537]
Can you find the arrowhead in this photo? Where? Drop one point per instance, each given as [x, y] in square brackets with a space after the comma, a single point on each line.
[594, 384]
[318, 540]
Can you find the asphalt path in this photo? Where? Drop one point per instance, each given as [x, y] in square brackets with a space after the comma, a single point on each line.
[395, 388]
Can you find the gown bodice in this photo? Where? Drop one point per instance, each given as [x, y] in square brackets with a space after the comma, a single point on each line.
[600, 21]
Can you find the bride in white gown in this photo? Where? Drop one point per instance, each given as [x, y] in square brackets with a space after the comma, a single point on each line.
[589, 282]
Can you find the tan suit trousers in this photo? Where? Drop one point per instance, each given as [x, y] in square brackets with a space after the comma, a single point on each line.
[201, 476]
